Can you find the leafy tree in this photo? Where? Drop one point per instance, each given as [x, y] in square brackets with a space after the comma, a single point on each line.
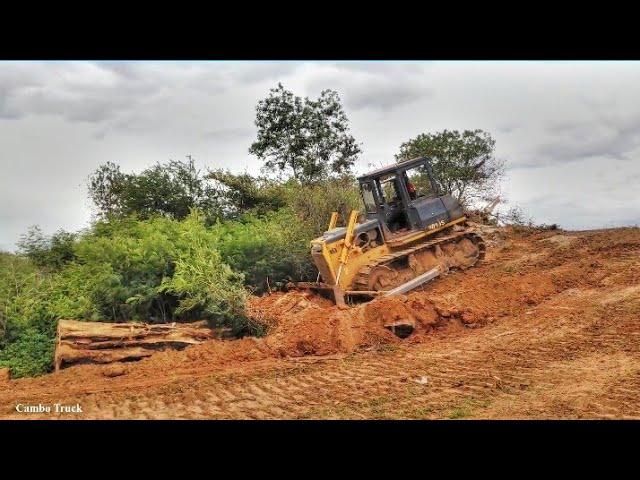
[239, 194]
[464, 163]
[308, 138]
[49, 252]
[108, 189]
[171, 189]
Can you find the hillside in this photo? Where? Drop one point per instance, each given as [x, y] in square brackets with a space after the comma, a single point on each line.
[547, 326]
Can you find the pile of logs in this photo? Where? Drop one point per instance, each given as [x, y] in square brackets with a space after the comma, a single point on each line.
[98, 342]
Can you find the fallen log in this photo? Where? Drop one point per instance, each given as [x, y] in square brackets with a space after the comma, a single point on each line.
[100, 342]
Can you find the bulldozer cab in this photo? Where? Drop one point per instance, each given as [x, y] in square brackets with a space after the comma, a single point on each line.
[405, 197]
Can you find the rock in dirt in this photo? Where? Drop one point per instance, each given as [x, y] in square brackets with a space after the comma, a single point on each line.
[423, 380]
[401, 315]
[115, 370]
[5, 375]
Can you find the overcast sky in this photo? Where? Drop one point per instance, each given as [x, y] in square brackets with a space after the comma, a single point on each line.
[568, 131]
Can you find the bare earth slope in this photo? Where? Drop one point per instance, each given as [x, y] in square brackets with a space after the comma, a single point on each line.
[548, 326]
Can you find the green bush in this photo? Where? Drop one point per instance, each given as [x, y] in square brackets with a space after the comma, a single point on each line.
[313, 204]
[47, 252]
[30, 354]
[202, 282]
[269, 250]
[20, 283]
[155, 271]
[162, 269]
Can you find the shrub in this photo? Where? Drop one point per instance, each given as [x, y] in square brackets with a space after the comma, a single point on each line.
[20, 283]
[154, 270]
[269, 250]
[202, 282]
[313, 204]
[48, 252]
[30, 354]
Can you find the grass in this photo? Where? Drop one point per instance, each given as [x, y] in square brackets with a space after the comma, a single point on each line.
[467, 407]
[418, 413]
[388, 348]
[511, 269]
[460, 412]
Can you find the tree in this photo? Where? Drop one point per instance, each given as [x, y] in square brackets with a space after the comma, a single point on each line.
[242, 193]
[463, 163]
[49, 252]
[171, 189]
[310, 139]
[107, 187]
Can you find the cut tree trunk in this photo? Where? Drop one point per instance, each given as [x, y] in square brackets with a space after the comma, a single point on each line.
[99, 342]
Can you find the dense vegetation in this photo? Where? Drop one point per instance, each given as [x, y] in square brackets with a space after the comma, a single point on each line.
[172, 243]
[158, 269]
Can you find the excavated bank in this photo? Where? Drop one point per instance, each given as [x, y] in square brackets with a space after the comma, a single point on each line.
[539, 297]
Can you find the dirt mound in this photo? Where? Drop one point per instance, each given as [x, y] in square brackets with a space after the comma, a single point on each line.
[402, 315]
[301, 323]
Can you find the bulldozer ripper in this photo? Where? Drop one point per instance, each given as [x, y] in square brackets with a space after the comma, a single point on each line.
[53, 408]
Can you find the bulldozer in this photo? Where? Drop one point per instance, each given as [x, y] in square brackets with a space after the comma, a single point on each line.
[410, 233]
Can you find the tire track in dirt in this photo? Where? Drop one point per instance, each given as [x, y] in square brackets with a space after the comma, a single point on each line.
[566, 371]
[561, 340]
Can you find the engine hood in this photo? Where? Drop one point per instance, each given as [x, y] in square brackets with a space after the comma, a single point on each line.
[336, 234]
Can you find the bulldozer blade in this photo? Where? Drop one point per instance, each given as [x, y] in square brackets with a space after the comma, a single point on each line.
[318, 286]
[414, 283]
[333, 292]
[338, 297]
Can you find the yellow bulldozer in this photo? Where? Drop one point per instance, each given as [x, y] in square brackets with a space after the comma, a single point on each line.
[410, 233]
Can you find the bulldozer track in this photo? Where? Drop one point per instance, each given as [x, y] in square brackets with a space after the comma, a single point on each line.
[361, 281]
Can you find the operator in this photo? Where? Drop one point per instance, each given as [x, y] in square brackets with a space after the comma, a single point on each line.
[410, 187]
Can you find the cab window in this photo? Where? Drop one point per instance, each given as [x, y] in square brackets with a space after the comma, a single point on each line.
[389, 188]
[368, 197]
[418, 182]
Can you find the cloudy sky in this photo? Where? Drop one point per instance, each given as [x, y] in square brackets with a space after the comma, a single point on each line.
[568, 131]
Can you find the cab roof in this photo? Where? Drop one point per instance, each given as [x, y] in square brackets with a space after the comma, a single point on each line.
[394, 167]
